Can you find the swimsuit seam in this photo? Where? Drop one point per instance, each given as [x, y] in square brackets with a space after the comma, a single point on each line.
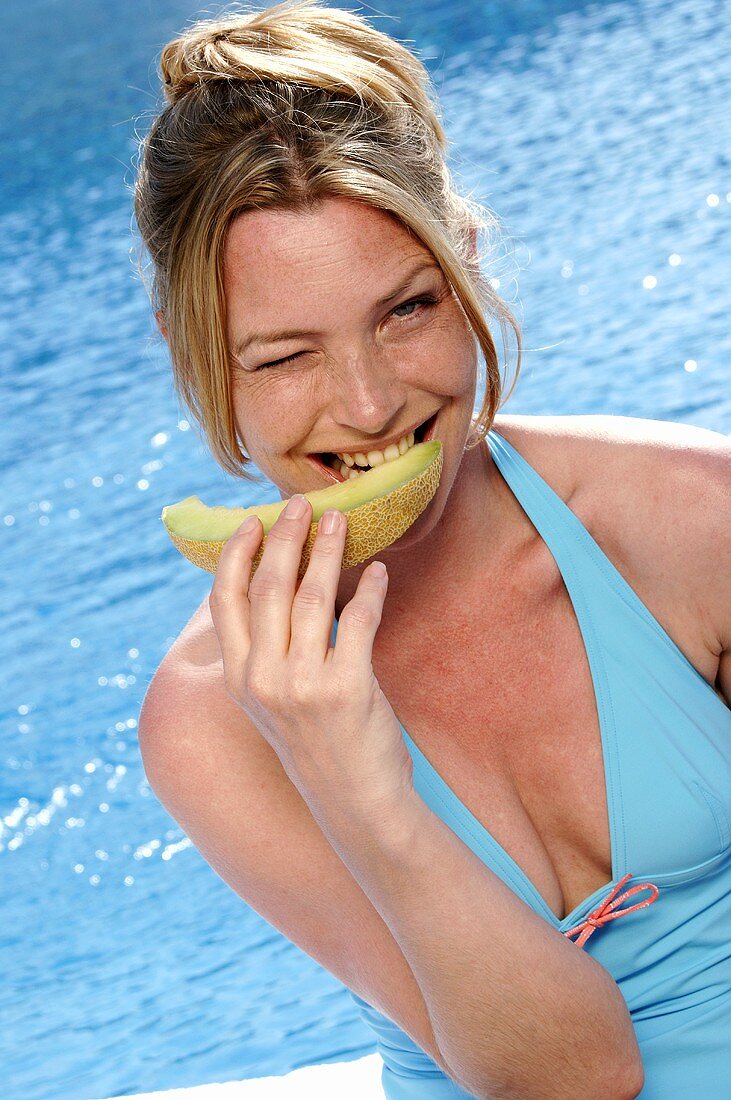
[717, 813]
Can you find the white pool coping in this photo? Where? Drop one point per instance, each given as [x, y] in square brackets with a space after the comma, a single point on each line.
[358, 1080]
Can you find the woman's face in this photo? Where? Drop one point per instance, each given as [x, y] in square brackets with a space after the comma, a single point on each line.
[360, 370]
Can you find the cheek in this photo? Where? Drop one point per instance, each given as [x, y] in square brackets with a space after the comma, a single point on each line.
[266, 416]
[450, 358]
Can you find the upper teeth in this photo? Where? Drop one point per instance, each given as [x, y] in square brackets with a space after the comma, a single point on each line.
[375, 458]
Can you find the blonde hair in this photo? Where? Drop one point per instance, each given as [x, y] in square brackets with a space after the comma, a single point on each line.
[281, 109]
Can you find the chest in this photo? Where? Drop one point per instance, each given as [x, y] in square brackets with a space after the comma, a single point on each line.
[500, 700]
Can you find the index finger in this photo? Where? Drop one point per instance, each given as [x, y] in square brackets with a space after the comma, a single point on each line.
[228, 599]
[275, 584]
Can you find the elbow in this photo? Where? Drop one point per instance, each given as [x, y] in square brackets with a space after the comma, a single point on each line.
[626, 1071]
[635, 1080]
[623, 1079]
[621, 1086]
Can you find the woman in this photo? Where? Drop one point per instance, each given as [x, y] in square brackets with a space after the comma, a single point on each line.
[554, 630]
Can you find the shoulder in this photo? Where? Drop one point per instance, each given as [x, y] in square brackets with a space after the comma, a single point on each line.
[656, 496]
[187, 684]
[615, 445]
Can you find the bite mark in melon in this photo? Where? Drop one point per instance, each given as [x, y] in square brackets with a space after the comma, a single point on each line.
[379, 505]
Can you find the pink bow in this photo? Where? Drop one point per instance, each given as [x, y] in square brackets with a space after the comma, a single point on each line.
[606, 911]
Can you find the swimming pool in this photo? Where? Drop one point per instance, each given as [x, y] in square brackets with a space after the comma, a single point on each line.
[599, 133]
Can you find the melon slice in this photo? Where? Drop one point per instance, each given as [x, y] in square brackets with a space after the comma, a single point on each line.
[379, 505]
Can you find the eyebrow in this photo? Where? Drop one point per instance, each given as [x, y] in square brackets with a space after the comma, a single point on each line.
[280, 335]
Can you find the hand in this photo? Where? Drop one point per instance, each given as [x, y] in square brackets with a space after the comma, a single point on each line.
[320, 707]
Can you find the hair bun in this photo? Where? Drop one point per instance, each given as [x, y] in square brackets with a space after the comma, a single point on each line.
[298, 41]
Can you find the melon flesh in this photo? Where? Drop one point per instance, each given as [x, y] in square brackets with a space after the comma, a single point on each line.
[380, 506]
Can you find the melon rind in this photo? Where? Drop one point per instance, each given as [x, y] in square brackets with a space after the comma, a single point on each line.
[394, 501]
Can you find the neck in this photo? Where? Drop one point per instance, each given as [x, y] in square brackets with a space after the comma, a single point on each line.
[474, 539]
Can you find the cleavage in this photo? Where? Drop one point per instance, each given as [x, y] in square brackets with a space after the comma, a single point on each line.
[515, 735]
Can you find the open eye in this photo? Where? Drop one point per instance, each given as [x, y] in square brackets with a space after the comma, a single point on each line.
[425, 300]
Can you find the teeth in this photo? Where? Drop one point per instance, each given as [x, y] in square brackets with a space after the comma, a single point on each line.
[354, 465]
[373, 458]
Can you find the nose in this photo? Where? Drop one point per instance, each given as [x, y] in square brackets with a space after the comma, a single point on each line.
[368, 397]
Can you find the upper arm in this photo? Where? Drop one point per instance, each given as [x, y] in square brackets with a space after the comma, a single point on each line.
[225, 786]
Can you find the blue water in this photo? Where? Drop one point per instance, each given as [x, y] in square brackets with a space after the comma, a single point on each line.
[600, 135]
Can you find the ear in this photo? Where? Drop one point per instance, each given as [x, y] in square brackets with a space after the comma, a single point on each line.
[161, 324]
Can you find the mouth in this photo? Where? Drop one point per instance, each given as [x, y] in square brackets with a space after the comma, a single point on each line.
[329, 464]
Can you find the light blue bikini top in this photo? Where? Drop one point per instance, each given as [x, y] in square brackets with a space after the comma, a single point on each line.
[666, 740]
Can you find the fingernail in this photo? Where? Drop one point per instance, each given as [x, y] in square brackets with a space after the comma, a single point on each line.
[248, 525]
[296, 507]
[330, 521]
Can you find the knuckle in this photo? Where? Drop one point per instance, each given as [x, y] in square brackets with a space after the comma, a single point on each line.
[310, 596]
[287, 532]
[220, 596]
[359, 613]
[266, 585]
[326, 546]
[303, 688]
[257, 685]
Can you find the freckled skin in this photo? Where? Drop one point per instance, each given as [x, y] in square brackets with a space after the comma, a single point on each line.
[368, 373]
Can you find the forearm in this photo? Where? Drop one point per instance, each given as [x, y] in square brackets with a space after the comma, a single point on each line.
[518, 1010]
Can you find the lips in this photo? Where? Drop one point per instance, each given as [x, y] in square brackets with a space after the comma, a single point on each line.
[422, 433]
